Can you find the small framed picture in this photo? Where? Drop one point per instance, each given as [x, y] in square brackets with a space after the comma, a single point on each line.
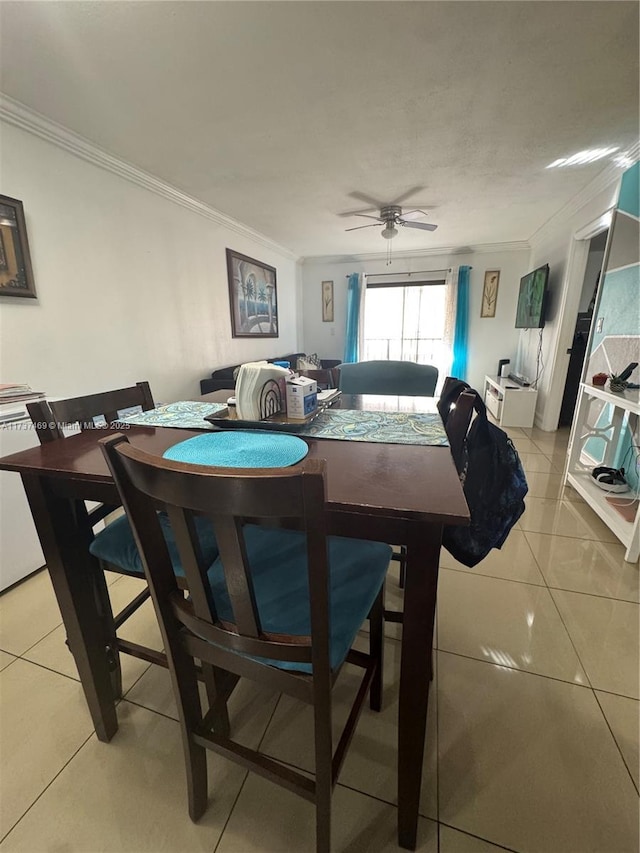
[490, 293]
[16, 275]
[327, 302]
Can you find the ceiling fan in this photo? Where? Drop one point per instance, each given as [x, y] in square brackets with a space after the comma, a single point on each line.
[390, 215]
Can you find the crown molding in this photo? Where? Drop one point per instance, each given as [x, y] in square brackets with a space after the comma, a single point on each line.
[479, 248]
[21, 116]
[611, 174]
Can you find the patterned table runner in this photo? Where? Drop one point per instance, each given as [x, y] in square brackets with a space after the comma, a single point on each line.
[384, 427]
[336, 424]
[186, 414]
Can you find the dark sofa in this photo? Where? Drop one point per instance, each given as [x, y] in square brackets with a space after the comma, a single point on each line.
[223, 378]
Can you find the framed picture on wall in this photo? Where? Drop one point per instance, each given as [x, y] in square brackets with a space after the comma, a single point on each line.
[16, 275]
[252, 296]
[327, 302]
[490, 293]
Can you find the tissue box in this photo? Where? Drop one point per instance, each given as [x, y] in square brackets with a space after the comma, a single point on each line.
[302, 397]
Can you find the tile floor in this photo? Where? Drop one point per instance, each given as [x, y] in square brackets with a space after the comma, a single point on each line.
[533, 724]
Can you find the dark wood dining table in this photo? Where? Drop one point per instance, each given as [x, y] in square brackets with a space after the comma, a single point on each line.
[399, 493]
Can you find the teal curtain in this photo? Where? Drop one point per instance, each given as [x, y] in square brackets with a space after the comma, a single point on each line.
[461, 332]
[353, 319]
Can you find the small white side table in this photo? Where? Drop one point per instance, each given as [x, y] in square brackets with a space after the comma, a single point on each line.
[509, 403]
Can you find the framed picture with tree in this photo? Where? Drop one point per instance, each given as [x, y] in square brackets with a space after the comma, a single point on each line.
[327, 302]
[490, 293]
[252, 296]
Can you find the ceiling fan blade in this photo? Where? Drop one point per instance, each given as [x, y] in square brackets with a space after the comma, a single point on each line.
[358, 227]
[368, 199]
[368, 216]
[414, 214]
[406, 195]
[424, 226]
[360, 212]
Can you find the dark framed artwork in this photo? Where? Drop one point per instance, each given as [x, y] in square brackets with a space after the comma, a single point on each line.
[327, 302]
[16, 275]
[490, 293]
[252, 296]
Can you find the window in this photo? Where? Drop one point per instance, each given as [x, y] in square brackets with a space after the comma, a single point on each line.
[406, 322]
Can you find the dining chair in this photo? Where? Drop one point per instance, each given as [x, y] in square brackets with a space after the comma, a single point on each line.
[114, 547]
[398, 378]
[279, 606]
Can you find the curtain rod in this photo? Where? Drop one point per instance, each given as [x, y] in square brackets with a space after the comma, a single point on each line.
[412, 272]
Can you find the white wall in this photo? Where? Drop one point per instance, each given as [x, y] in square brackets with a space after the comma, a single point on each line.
[551, 245]
[490, 339]
[130, 285]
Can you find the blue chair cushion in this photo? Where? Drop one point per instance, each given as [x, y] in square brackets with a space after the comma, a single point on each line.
[116, 546]
[278, 560]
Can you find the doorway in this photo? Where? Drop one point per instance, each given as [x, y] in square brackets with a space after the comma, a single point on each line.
[584, 319]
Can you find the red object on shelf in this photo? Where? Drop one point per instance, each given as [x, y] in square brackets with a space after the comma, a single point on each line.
[600, 379]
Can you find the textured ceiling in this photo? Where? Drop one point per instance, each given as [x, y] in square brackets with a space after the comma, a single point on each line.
[275, 112]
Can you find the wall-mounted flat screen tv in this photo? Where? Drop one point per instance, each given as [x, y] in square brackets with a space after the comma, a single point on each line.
[532, 299]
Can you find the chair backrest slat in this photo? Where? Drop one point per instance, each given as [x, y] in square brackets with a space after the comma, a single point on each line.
[188, 544]
[51, 417]
[457, 424]
[238, 576]
[398, 378]
[451, 390]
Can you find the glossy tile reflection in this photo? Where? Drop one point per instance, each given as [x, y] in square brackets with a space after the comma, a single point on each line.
[605, 634]
[512, 624]
[510, 743]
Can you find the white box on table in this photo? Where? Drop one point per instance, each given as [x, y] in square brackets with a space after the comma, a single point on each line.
[302, 396]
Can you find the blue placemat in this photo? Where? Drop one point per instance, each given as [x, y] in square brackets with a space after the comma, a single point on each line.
[240, 449]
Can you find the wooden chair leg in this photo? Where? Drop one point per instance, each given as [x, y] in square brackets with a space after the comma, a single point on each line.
[323, 807]
[197, 785]
[324, 771]
[103, 604]
[190, 716]
[376, 650]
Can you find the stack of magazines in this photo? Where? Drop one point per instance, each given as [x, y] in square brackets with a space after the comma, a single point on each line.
[14, 393]
[12, 401]
[260, 390]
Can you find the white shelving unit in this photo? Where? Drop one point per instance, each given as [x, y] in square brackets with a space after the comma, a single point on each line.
[626, 409]
[509, 403]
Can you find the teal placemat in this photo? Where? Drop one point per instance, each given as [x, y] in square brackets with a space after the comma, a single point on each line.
[385, 427]
[186, 414]
[240, 449]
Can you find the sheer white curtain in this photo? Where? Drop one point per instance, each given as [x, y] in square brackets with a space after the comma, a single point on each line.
[450, 308]
[363, 295]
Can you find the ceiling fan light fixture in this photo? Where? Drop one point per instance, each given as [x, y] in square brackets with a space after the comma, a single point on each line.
[389, 231]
